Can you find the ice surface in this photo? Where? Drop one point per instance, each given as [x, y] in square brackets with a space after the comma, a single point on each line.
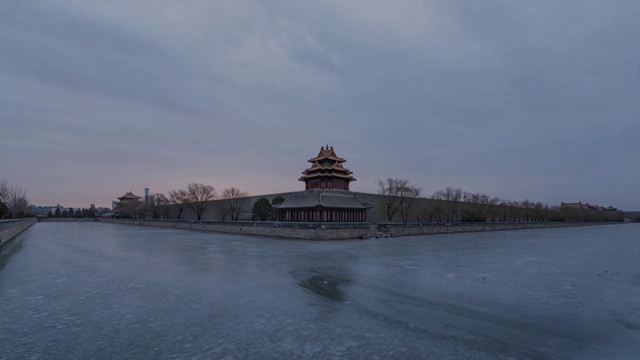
[94, 290]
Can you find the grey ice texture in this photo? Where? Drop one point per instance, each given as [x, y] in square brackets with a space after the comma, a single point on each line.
[100, 291]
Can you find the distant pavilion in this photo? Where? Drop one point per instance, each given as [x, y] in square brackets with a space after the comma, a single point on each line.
[326, 197]
[128, 199]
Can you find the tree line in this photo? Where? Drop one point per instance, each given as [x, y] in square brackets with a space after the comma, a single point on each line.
[399, 200]
[13, 201]
[195, 197]
[403, 200]
[70, 213]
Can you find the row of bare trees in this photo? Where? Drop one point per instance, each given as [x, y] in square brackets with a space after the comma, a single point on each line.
[13, 201]
[195, 197]
[457, 205]
[402, 200]
[398, 197]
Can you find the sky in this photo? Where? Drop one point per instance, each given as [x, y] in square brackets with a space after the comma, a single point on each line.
[534, 100]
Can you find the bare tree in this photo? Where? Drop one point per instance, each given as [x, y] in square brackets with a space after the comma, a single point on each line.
[389, 190]
[4, 190]
[4, 211]
[494, 209]
[424, 211]
[156, 204]
[199, 197]
[527, 207]
[475, 207]
[398, 195]
[451, 203]
[15, 199]
[408, 199]
[235, 203]
[223, 212]
[178, 199]
[538, 212]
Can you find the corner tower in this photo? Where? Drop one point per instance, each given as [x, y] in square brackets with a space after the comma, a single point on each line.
[326, 197]
[327, 172]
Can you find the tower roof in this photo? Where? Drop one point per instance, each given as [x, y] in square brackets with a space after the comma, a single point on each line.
[128, 196]
[327, 165]
[323, 198]
[327, 153]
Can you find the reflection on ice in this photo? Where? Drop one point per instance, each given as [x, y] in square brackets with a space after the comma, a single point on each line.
[324, 285]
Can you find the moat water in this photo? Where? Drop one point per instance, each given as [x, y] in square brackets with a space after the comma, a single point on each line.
[101, 291]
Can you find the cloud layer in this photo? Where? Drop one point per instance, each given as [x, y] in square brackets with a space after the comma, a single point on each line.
[521, 100]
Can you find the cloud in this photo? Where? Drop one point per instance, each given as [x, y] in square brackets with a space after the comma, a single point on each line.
[530, 100]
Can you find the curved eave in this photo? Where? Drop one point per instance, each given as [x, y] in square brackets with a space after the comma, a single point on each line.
[327, 171]
[343, 177]
[128, 198]
[319, 158]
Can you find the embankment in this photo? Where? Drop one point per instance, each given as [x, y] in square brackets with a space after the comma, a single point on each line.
[53, 219]
[337, 231]
[311, 231]
[408, 229]
[10, 228]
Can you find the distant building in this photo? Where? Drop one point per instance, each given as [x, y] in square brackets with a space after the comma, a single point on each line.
[37, 209]
[586, 206]
[128, 199]
[128, 205]
[326, 197]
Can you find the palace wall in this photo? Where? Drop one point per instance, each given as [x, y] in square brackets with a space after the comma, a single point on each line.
[213, 212]
[423, 210]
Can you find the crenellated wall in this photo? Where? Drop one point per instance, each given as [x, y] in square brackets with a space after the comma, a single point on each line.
[422, 210]
[10, 228]
[374, 214]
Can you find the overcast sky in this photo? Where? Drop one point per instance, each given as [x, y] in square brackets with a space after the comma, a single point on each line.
[533, 100]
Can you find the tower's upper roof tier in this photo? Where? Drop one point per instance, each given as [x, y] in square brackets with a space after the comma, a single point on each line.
[309, 176]
[327, 165]
[334, 167]
[327, 153]
[128, 196]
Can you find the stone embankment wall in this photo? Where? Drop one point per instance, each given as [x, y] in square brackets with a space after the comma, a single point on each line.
[310, 231]
[10, 228]
[632, 215]
[393, 229]
[336, 231]
[52, 219]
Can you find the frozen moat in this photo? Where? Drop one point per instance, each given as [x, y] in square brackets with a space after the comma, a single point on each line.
[93, 290]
